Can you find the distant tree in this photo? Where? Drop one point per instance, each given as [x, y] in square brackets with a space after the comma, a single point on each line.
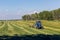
[44, 15]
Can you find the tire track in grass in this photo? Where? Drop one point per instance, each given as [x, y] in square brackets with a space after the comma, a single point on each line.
[40, 30]
[21, 27]
[16, 30]
[44, 31]
[53, 26]
[19, 30]
[29, 29]
[34, 30]
[2, 25]
[4, 30]
[53, 29]
[50, 31]
[11, 30]
[1, 32]
[24, 29]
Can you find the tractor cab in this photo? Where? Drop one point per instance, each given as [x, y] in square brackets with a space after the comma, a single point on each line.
[38, 25]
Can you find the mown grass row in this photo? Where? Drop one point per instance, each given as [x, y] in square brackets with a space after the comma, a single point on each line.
[53, 24]
[23, 28]
[3, 30]
[2, 24]
[20, 31]
[45, 31]
[49, 30]
[31, 30]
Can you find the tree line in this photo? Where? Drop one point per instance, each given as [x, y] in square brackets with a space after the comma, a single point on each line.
[44, 15]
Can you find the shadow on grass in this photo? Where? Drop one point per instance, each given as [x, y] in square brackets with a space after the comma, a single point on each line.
[31, 37]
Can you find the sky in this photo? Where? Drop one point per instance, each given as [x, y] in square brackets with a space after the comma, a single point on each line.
[15, 9]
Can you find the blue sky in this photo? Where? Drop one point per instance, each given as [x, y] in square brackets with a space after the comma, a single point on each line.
[14, 9]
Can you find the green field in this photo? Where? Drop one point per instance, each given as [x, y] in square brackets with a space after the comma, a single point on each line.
[23, 28]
